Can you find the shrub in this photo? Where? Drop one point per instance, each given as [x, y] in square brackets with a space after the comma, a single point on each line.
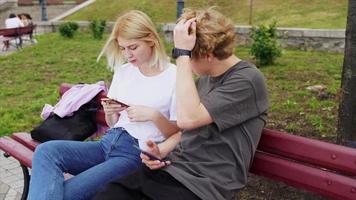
[265, 47]
[97, 28]
[67, 29]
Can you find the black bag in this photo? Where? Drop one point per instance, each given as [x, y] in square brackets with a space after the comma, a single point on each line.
[78, 127]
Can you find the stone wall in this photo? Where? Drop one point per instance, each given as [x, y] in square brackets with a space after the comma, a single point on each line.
[332, 40]
[7, 4]
[49, 2]
[300, 38]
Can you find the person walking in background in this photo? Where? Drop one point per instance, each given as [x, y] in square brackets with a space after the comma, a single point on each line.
[145, 80]
[222, 115]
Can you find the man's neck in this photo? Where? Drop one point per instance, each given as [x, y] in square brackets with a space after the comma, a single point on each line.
[219, 67]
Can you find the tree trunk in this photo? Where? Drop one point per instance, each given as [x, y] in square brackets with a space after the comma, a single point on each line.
[347, 108]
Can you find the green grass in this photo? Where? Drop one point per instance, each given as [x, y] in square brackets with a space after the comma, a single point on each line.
[288, 13]
[30, 79]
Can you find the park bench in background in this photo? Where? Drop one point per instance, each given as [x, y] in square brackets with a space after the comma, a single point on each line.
[319, 167]
[16, 34]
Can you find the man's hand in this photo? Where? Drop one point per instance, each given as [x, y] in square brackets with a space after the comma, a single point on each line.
[185, 34]
[154, 150]
[141, 113]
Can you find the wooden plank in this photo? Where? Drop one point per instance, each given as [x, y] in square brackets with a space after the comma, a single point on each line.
[16, 150]
[325, 183]
[314, 152]
[9, 32]
[25, 139]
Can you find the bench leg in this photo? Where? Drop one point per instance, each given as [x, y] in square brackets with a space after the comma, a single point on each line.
[6, 45]
[26, 182]
[26, 179]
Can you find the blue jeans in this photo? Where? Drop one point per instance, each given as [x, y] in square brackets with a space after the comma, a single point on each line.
[94, 164]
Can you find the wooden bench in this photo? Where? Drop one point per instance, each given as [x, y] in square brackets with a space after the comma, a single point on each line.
[323, 168]
[8, 34]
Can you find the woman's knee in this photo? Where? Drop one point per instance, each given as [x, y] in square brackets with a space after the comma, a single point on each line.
[47, 150]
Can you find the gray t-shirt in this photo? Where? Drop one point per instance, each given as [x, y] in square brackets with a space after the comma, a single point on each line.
[213, 160]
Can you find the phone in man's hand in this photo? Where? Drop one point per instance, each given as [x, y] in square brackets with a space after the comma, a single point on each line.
[114, 101]
[150, 155]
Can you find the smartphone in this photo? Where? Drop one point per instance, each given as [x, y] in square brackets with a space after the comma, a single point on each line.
[152, 157]
[114, 101]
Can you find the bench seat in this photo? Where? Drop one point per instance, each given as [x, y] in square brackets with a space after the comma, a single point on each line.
[17, 150]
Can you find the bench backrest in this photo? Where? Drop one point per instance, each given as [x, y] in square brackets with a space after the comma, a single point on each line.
[27, 29]
[8, 32]
[317, 153]
[320, 167]
[14, 32]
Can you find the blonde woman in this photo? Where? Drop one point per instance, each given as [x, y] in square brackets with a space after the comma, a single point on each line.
[145, 80]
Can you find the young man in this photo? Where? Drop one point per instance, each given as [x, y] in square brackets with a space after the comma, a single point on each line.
[222, 116]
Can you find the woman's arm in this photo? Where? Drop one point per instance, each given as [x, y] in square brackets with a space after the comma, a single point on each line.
[168, 128]
[169, 144]
[111, 113]
[144, 113]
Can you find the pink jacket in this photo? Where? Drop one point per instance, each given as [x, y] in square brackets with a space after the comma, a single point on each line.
[72, 99]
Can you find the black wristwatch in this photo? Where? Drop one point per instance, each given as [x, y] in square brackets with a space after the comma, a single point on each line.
[180, 52]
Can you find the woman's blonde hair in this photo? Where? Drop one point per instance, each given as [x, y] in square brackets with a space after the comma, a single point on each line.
[134, 25]
[215, 33]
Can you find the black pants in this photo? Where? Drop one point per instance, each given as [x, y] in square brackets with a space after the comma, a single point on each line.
[146, 184]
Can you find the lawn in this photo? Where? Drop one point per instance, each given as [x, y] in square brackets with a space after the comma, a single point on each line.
[288, 13]
[30, 78]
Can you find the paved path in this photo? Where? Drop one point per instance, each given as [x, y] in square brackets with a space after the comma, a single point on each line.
[11, 178]
[12, 48]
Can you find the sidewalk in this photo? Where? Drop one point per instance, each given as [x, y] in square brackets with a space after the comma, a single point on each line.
[12, 49]
[11, 178]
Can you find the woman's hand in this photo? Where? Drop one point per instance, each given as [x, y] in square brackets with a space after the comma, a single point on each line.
[111, 109]
[141, 113]
[153, 149]
[185, 34]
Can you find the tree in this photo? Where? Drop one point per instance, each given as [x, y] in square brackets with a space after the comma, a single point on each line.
[347, 108]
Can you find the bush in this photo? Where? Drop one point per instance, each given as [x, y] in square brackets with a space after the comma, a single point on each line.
[97, 28]
[67, 29]
[265, 47]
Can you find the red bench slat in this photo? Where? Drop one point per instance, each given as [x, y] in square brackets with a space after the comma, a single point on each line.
[301, 176]
[315, 152]
[25, 139]
[16, 150]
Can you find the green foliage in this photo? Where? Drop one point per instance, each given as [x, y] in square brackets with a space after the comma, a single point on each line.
[288, 13]
[67, 29]
[265, 47]
[97, 28]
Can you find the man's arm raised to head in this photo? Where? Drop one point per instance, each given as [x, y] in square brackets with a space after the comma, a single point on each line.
[191, 113]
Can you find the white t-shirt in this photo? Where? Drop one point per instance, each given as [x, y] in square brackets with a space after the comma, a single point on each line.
[13, 22]
[130, 86]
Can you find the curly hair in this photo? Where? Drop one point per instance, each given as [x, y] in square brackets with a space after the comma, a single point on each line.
[215, 33]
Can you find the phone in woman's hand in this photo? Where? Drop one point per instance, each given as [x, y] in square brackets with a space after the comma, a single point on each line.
[114, 101]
